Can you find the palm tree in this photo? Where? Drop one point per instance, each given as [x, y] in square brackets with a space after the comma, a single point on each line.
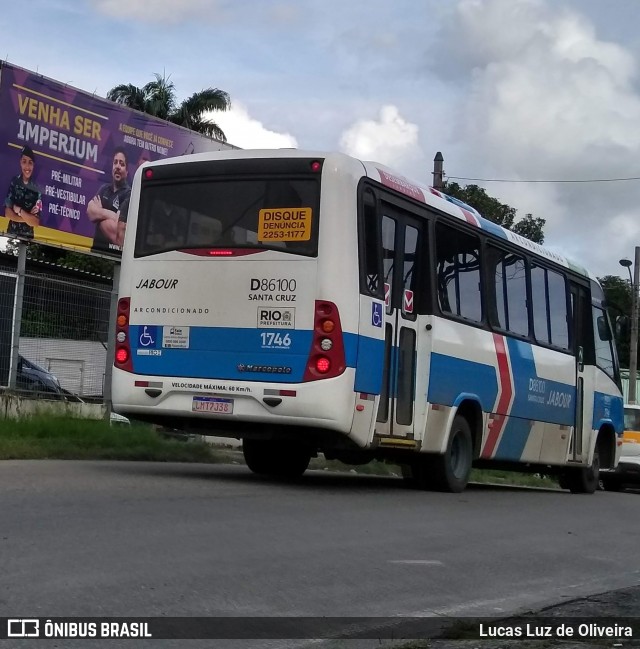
[158, 98]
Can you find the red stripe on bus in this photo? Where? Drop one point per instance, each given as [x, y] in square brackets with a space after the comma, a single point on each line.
[470, 217]
[506, 392]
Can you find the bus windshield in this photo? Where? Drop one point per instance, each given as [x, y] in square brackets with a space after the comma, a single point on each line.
[218, 212]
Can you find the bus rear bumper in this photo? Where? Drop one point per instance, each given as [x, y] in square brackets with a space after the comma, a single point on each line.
[236, 408]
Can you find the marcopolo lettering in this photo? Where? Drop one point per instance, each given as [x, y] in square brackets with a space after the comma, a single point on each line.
[157, 282]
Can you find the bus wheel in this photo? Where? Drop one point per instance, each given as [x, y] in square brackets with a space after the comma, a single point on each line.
[291, 461]
[258, 455]
[450, 472]
[584, 480]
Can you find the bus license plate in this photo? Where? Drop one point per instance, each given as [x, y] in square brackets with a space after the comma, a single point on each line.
[212, 404]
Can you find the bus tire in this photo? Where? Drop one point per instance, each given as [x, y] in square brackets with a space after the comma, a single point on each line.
[278, 459]
[583, 480]
[292, 461]
[450, 471]
[258, 455]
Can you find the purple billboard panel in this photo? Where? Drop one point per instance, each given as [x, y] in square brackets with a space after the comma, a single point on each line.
[67, 159]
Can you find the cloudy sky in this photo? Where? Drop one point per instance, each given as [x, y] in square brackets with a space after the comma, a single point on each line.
[510, 90]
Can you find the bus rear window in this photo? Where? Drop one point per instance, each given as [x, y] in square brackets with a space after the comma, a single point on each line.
[273, 213]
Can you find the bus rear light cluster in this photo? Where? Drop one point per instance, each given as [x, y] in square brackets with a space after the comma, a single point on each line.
[123, 350]
[326, 357]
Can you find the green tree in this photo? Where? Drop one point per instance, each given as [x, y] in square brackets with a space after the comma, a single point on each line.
[158, 98]
[531, 228]
[493, 210]
[618, 296]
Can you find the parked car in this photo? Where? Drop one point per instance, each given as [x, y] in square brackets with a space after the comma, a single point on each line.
[628, 471]
[34, 378]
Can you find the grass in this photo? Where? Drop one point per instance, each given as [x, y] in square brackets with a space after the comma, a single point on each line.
[484, 476]
[40, 437]
[45, 437]
[491, 476]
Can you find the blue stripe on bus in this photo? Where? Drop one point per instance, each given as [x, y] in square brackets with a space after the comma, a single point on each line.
[235, 353]
[490, 226]
[444, 381]
[369, 365]
[608, 409]
[223, 353]
[514, 439]
[556, 404]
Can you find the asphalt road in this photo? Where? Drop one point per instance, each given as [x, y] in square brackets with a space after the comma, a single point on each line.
[142, 539]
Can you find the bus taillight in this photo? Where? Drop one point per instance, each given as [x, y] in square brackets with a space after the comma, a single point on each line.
[123, 349]
[323, 364]
[326, 357]
[122, 355]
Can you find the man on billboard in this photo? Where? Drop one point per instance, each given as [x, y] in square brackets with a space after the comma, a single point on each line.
[104, 209]
[23, 204]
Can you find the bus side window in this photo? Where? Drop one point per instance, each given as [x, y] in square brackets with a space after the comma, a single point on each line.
[508, 282]
[458, 273]
[551, 318]
[370, 246]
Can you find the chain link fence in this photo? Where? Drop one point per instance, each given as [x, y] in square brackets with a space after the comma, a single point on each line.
[63, 333]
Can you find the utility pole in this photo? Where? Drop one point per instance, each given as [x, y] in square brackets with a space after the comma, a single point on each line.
[633, 347]
[633, 343]
[438, 173]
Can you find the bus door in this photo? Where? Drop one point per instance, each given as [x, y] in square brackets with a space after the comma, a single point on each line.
[402, 243]
[581, 305]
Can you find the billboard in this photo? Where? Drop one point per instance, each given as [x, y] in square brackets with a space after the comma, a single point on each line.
[67, 159]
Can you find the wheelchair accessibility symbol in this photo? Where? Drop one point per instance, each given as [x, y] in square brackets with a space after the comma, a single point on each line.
[376, 314]
[146, 339]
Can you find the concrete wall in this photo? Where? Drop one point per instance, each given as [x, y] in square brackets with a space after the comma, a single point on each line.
[13, 407]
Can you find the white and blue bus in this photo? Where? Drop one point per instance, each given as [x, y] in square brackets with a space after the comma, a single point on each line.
[309, 302]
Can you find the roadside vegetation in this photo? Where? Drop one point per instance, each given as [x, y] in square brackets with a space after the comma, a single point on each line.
[483, 476]
[45, 437]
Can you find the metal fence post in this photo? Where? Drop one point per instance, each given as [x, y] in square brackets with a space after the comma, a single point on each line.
[111, 340]
[17, 315]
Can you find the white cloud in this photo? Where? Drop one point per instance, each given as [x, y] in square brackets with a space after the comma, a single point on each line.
[248, 133]
[546, 99]
[172, 12]
[159, 11]
[390, 139]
